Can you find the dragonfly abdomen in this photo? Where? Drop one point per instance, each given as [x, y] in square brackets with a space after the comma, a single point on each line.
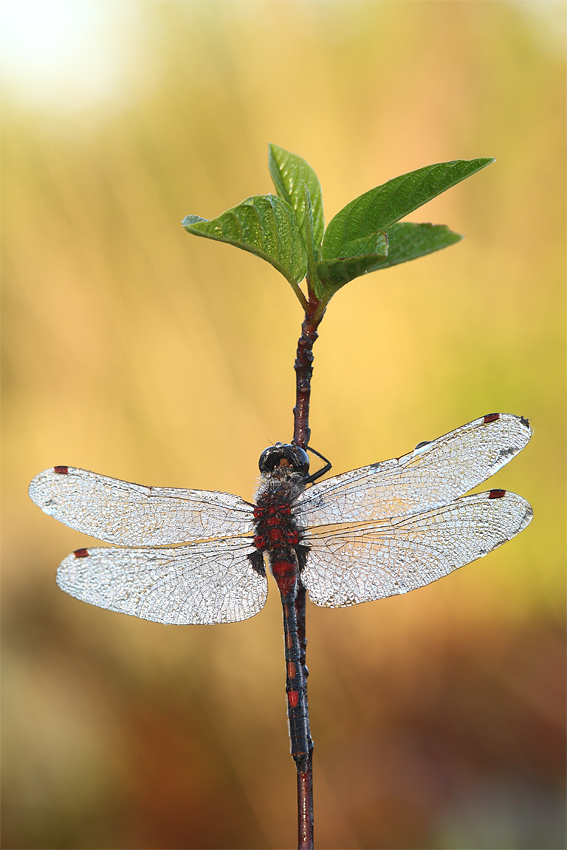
[284, 565]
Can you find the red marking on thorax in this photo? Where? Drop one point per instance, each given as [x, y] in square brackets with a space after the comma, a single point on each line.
[81, 553]
[496, 494]
[291, 670]
[491, 417]
[274, 526]
[61, 470]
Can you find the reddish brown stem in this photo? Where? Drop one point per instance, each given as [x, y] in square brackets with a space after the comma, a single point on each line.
[303, 372]
[301, 433]
[305, 810]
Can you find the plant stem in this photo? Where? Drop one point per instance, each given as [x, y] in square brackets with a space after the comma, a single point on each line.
[301, 433]
[303, 372]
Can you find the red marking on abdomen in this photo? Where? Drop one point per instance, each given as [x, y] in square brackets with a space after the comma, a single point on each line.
[285, 585]
[496, 494]
[291, 670]
[293, 698]
[283, 569]
[491, 417]
[81, 553]
[61, 470]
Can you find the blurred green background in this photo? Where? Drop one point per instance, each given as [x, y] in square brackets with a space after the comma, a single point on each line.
[138, 351]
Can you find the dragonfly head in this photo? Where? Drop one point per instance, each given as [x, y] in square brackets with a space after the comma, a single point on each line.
[285, 457]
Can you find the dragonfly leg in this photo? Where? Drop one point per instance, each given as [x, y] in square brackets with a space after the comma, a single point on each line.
[324, 469]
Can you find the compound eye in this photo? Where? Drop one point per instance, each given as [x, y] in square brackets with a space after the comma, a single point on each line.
[285, 456]
[269, 458]
[300, 459]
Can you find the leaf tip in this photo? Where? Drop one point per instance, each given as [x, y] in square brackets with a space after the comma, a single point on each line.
[189, 220]
[274, 151]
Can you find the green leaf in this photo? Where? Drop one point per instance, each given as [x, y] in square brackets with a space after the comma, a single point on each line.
[384, 205]
[289, 174]
[407, 241]
[309, 240]
[266, 226]
[358, 257]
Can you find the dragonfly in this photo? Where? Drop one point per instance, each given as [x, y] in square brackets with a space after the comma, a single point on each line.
[200, 557]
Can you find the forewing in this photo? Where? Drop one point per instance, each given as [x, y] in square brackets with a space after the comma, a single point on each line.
[211, 582]
[432, 475]
[355, 563]
[134, 515]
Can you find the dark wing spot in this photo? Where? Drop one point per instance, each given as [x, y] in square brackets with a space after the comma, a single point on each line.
[257, 562]
[509, 452]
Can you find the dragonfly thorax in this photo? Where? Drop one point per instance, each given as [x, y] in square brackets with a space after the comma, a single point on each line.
[284, 471]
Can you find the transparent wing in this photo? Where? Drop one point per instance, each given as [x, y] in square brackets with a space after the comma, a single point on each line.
[433, 474]
[134, 515]
[354, 563]
[211, 582]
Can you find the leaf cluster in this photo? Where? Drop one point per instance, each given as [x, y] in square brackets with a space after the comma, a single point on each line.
[288, 229]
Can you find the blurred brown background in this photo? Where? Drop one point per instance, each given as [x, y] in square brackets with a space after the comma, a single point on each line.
[138, 351]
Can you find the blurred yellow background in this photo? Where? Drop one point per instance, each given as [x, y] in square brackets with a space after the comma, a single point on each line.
[138, 351]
